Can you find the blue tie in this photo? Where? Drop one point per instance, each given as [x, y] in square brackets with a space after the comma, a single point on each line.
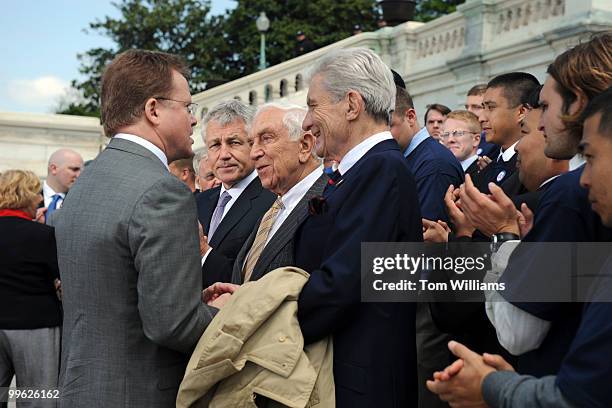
[218, 214]
[52, 205]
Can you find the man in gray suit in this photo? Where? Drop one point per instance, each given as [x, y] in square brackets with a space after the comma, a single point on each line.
[128, 246]
[287, 165]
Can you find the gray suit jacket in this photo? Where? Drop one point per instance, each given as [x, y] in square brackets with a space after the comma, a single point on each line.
[279, 251]
[128, 253]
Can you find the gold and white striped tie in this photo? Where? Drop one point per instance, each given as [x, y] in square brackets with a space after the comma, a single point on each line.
[260, 238]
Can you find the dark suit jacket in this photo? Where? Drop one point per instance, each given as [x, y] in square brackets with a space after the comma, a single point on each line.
[279, 251]
[434, 168]
[233, 230]
[28, 267]
[374, 343]
[498, 172]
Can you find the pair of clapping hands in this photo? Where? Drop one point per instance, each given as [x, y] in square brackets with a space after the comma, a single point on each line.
[469, 210]
[460, 384]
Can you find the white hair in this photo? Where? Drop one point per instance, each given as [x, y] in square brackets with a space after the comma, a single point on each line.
[293, 118]
[226, 112]
[362, 71]
[198, 157]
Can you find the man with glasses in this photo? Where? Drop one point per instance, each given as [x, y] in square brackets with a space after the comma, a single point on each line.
[128, 246]
[461, 135]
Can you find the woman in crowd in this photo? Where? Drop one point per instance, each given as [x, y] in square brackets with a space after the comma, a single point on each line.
[30, 312]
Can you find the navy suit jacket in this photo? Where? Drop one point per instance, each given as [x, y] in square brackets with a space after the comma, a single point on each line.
[374, 343]
[233, 230]
[434, 168]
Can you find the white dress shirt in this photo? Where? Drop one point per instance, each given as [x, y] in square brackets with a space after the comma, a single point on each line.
[235, 191]
[508, 153]
[468, 162]
[357, 152]
[146, 144]
[291, 199]
[48, 194]
[517, 331]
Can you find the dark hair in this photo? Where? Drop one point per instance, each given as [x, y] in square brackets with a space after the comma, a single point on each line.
[585, 69]
[403, 100]
[516, 86]
[533, 100]
[437, 107]
[602, 103]
[130, 80]
[399, 81]
[478, 90]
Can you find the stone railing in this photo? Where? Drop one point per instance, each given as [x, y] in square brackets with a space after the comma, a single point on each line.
[520, 14]
[445, 35]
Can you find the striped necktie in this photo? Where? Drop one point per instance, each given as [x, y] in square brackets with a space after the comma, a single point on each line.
[218, 214]
[260, 238]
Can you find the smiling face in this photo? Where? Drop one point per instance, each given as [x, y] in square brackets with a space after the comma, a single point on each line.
[559, 143]
[531, 160]
[229, 148]
[326, 118]
[464, 146]
[597, 150]
[279, 160]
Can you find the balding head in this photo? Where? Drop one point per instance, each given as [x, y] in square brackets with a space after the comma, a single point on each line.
[64, 168]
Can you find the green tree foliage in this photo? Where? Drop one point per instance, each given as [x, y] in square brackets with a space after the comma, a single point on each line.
[223, 48]
[427, 10]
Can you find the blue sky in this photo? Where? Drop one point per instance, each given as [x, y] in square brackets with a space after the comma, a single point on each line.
[40, 40]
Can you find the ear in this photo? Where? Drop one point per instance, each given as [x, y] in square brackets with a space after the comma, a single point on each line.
[150, 111]
[522, 113]
[411, 116]
[476, 139]
[355, 105]
[579, 104]
[307, 145]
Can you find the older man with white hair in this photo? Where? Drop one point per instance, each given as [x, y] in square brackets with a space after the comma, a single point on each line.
[373, 198]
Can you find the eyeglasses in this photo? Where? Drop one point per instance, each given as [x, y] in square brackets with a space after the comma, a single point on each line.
[457, 133]
[192, 107]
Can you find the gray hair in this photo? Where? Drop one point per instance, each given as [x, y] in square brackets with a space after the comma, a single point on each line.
[362, 71]
[293, 118]
[198, 157]
[226, 112]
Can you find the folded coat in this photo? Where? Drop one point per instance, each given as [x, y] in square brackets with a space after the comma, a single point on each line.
[254, 346]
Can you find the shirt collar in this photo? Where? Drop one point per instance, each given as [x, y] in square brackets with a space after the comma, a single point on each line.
[295, 193]
[508, 153]
[468, 162]
[416, 141]
[548, 180]
[357, 152]
[147, 145]
[48, 192]
[240, 186]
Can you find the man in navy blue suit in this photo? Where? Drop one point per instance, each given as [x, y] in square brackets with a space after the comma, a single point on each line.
[373, 199]
[433, 166]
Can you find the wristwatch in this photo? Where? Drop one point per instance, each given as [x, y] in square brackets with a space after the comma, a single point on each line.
[498, 239]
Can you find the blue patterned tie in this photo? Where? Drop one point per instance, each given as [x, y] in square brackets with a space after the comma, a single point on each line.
[218, 214]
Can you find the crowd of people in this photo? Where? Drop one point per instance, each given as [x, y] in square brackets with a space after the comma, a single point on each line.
[149, 278]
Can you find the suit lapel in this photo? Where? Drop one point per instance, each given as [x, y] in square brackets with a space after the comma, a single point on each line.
[212, 204]
[287, 230]
[240, 208]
